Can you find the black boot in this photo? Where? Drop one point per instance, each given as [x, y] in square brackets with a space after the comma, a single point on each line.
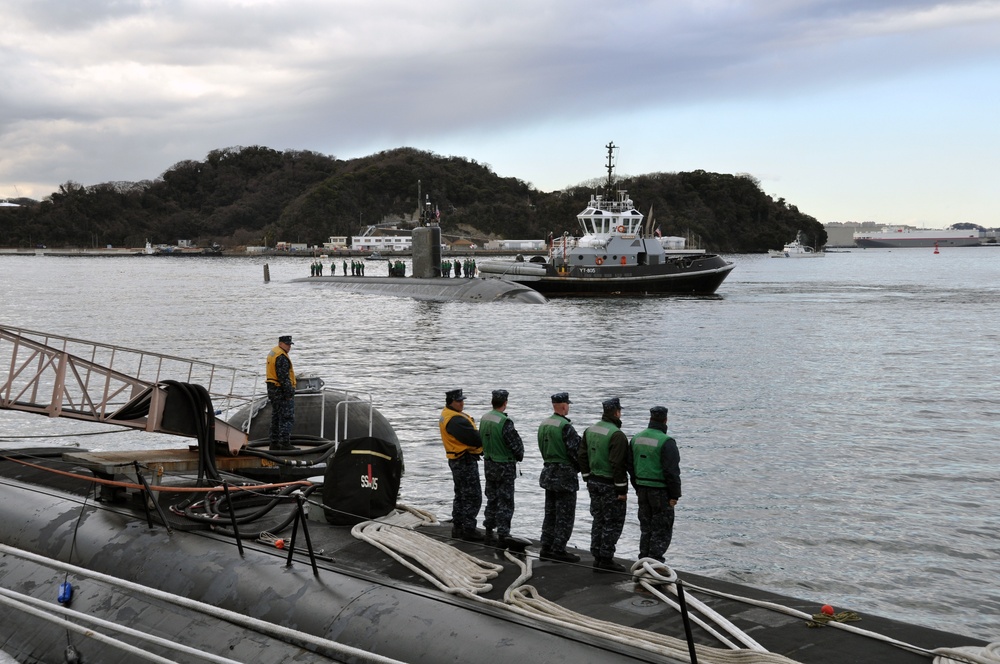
[560, 556]
[607, 565]
[466, 534]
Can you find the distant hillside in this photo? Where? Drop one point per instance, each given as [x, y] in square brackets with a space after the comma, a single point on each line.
[255, 195]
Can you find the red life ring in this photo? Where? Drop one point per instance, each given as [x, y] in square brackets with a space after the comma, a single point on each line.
[621, 229]
[599, 261]
[623, 260]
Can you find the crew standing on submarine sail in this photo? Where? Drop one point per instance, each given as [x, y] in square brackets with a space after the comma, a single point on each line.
[502, 450]
[656, 476]
[281, 394]
[463, 447]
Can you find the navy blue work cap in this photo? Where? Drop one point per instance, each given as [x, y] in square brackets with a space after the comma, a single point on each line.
[611, 405]
[658, 412]
[561, 397]
[287, 339]
[454, 395]
[500, 394]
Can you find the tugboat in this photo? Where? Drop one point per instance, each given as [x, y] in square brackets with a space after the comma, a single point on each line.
[615, 255]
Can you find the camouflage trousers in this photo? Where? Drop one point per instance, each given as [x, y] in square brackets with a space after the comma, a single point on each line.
[609, 518]
[560, 514]
[656, 522]
[282, 416]
[500, 477]
[468, 491]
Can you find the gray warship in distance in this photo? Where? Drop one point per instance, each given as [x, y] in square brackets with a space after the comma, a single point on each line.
[177, 555]
[617, 254]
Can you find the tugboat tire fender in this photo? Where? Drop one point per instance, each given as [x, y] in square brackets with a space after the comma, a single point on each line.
[599, 261]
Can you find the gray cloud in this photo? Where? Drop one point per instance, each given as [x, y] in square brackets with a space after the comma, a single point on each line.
[122, 90]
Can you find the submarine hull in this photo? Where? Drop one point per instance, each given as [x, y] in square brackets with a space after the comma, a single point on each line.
[443, 289]
[358, 596]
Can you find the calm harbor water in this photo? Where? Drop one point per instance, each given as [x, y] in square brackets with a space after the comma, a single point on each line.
[837, 417]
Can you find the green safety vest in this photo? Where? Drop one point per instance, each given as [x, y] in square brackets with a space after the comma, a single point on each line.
[598, 439]
[491, 431]
[647, 446]
[550, 439]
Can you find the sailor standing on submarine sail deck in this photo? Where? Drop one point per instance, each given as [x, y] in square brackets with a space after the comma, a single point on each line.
[281, 394]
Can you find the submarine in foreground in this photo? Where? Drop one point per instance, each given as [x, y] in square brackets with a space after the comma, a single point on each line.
[181, 555]
[427, 282]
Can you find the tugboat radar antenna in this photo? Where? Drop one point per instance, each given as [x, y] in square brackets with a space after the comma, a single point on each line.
[611, 166]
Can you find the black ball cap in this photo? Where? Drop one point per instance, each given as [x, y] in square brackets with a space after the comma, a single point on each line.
[287, 339]
[561, 397]
[611, 405]
[658, 412]
[454, 395]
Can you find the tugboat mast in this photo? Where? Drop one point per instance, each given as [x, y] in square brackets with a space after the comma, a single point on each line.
[611, 167]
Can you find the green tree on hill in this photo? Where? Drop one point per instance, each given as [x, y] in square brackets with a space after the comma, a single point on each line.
[239, 195]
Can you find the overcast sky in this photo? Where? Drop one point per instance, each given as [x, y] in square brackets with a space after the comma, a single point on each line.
[884, 110]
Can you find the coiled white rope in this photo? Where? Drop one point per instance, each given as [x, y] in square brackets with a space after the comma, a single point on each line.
[449, 569]
[460, 573]
[396, 535]
[988, 654]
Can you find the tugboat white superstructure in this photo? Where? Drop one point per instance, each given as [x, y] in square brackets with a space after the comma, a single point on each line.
[616, 255]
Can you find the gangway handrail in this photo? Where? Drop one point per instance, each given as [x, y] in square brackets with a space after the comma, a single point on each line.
[51, 375]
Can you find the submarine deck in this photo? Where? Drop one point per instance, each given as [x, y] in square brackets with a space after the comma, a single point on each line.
[612, 597]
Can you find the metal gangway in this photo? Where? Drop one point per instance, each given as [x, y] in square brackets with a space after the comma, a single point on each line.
[61, 376]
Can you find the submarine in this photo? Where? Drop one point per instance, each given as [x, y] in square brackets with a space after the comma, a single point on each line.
[182, 555]
[427, 282]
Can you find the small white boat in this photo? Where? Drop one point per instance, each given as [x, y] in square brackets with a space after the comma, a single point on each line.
[795, 249]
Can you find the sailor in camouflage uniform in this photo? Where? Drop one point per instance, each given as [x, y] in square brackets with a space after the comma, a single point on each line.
[281, 394]
[502, 449]
[558, 442]
[463, 446]
[604, 462]
[656, 476]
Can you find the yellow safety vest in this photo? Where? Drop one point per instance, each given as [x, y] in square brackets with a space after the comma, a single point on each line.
[452, 446]
[272, 374]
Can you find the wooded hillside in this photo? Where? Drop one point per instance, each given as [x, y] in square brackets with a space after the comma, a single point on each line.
[258, 196]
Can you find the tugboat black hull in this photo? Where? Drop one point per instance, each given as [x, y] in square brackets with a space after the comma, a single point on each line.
[687, 275]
